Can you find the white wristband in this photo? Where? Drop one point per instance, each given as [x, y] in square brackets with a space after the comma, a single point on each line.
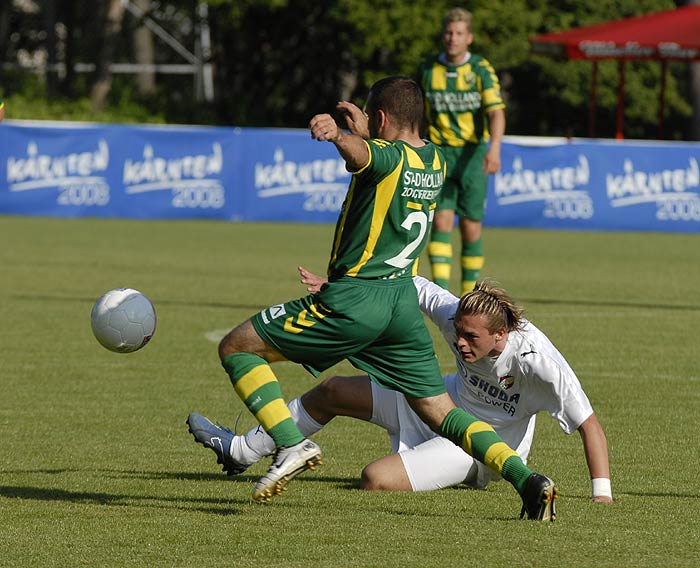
[601, 487]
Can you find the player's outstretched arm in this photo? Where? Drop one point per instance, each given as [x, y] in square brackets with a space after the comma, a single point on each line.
[351, 147]
[595, 446]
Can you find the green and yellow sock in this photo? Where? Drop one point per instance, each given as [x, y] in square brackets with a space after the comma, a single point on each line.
[257, 386]
[472, 263]
[440, 254]
[482, 442]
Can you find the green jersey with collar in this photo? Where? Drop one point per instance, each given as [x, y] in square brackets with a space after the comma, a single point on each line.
[457, 99]
[386, 218]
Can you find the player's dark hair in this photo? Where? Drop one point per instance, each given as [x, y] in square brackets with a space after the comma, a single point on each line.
[399, 96]
[489, 300]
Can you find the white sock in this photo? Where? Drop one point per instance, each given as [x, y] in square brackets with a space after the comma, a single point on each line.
[257, 444]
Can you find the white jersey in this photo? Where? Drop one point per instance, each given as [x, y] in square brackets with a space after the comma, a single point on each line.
[506, 391]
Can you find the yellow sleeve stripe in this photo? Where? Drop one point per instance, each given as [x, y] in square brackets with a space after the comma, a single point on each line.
[273, 413]
[415, 206]
[368, 162]
[384, 195]
[492, 97]
[253, 380]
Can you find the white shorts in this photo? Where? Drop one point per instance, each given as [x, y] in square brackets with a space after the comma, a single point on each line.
[431, 461]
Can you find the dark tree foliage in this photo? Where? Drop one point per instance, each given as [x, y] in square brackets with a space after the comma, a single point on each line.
[278, 62]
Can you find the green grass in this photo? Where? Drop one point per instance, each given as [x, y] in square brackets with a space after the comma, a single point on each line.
[98, 468]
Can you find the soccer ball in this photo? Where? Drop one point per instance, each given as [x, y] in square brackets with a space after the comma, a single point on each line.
[123, 320]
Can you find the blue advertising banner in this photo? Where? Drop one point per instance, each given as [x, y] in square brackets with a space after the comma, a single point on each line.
[287, 176]
[597, 185]
[116, 171]
[182, 172]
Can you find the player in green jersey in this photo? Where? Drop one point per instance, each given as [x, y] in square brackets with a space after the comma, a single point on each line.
[461, 93]
[368, 311]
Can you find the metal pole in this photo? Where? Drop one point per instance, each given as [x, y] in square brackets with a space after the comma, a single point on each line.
[592, 102]
[207, 75]
[619, 133]
[662, 97]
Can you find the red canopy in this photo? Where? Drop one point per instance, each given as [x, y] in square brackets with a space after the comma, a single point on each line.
[667, 35]
[672, 34]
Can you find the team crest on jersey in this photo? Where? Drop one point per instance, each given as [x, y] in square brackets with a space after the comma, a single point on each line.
[506, 381]
[469, 78]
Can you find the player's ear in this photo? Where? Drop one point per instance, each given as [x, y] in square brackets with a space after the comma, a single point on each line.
[382, 119]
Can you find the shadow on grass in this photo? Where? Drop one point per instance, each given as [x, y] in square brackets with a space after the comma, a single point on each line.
[224, 506]
[210, 505]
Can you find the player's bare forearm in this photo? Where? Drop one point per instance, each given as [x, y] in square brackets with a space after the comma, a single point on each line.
[595, 447]
[497, 128]
[352, 148]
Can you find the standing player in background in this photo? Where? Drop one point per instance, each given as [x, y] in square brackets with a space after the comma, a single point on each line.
[2, 109]
[368, 310]
[461, 91]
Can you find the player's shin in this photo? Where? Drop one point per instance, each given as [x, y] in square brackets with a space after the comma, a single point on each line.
[482, 442]
[440, 254]
[472, 263]
[256, 385]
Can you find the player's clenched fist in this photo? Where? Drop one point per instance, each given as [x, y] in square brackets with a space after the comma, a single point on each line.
[323, 127]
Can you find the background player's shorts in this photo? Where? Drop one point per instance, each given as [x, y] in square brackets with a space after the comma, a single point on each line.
[466, 184]
[375, 324]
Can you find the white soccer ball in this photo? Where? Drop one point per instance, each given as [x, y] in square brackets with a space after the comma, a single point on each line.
[123, 320]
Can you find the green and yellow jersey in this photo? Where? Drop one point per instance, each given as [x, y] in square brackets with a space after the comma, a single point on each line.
[385, 220]
[458, 98]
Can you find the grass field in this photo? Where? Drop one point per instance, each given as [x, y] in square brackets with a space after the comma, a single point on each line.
[98, 468]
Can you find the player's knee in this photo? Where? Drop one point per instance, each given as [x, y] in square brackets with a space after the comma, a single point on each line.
[375, 477]
[225, 346]
[371, 480]
[231, 342]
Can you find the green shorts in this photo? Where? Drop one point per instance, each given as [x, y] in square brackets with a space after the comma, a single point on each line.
[375, 324]
[464, 190]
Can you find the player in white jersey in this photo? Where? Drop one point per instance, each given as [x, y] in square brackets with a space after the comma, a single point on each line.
[508, 371]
